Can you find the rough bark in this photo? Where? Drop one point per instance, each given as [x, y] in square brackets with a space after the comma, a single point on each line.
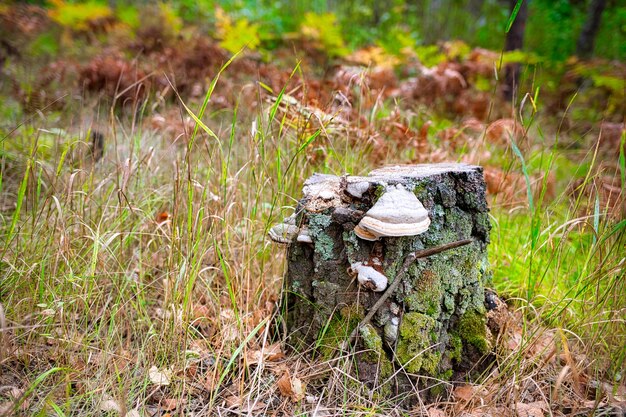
[437, 309]
[584, 47]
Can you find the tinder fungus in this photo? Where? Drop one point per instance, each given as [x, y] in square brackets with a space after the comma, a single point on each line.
[348, 243]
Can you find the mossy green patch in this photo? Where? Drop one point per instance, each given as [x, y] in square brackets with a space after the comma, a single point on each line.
[414, 350]
[375, 352]
[455, 347]
[379, 190]
[473, 330]
[459, 221]
[421, 190]
[351, 243]
[338, 329]
[427, 294]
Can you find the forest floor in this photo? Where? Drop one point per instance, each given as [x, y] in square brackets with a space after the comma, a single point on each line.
[139, 178]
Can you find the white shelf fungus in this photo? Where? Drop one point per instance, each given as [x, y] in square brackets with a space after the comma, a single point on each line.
[283, 232]
[396, 213]
[369, 277]
[357, 189]
[304, 236]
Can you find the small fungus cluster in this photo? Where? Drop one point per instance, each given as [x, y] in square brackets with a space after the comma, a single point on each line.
[369, 277]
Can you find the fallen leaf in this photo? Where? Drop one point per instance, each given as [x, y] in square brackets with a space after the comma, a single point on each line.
[169, 404]
[284, 385]
[162, 217]
[14, 394]
[201, 311]
[270, 353]
[233, 401]
[291, 387]
[108, 403]
[133, 413]
[464, 393]
[159, 378]
[534, 409]
[298, 389]
[436, 412]
[211, 380]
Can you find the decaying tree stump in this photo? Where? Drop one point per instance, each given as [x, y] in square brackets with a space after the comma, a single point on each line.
[432, 321]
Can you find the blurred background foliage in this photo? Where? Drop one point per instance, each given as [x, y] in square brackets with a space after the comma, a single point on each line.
[552, 29]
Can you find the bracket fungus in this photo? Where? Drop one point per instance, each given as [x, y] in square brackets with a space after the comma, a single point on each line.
[304, 236]
[284, 232]
[369, 277]
[357, 189]
[397, 212]
[390, 331]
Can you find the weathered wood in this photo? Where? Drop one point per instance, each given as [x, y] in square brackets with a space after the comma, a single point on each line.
[431, 321]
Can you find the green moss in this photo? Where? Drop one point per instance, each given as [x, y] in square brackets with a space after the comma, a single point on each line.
[430, 362]
[338, 329]
[379, 190]
[446, 375]
[444, 235]
[459, 221]
[455, 347]
[324, 244]
[440, 388]
[473, 330]
[417, 335]
[460, 283]
[394, 255]
[375, 352]
[421, 190]
[427, 294]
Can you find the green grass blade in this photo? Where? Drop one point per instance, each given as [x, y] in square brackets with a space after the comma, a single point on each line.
[518, 5]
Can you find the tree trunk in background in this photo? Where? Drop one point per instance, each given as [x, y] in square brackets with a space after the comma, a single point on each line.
[476, 7]
[584, 48]
[514, 40]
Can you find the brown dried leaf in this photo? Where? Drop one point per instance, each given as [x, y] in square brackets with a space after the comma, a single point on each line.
[534, 409]
[284, 385]
[162, 217]
[211, 380]
[464, 393]
[436, 412]
[233, 401]
[108, 403]
[169, 404]
[291, 387]
[14, 394]
[543, 346]
[270, 353]
[298, 389]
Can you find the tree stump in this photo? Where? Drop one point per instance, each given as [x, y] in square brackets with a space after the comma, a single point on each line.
[434, 321]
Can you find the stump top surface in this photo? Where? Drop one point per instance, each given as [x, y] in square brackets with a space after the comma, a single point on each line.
[421, 170]
[323, 191]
